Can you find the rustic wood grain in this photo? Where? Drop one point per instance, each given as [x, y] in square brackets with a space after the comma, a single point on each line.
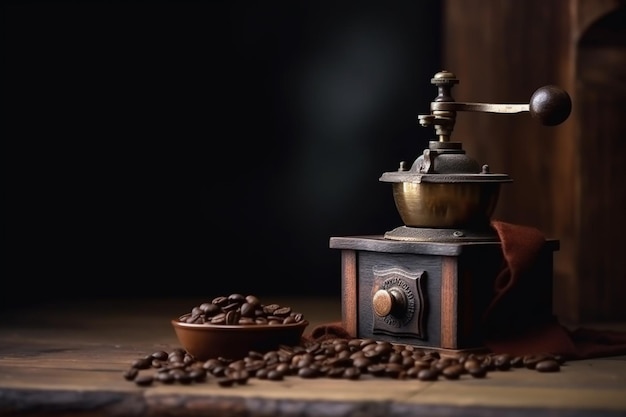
[65, 360]
[349, 291]
[449, 304]
[566, 179]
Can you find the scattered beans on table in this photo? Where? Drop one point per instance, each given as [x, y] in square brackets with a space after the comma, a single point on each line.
[337, 358]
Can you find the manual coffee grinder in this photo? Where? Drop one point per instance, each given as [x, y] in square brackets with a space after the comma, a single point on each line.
[427, 283]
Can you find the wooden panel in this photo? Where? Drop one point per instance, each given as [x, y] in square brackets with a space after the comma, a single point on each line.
[502, 51]
[601, 92]
[349, 300]
[449, 302]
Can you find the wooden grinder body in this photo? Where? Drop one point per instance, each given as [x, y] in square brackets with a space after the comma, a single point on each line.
[435, 294]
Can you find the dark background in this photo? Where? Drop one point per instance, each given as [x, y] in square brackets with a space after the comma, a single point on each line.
[185, 148]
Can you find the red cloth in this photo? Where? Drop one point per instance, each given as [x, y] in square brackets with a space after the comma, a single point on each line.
[513, 294]
[508, 325]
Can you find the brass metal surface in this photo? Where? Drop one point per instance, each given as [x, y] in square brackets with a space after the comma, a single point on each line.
[445, 188]
[446, 205]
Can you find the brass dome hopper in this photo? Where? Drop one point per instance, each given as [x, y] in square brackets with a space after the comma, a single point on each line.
[445, 195]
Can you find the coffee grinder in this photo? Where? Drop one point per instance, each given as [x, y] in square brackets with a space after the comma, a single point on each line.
[427, 282]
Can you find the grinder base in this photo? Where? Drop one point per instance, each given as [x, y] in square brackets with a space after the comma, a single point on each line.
[426, 294]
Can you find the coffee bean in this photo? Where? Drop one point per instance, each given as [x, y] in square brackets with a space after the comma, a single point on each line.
[220, 301]
[531, 361]
[240, 376]
[308, 372]
[253, 300]
[517, 362]
[275, 375]
[547, 365]
[407, 362]
[453, 371]
[238, 298]
[395, 357]
[428, 374]
[209, 308]
[421, 364]
[433, 354]
[165, 377]
[210, 364]
[232, 317]
[360, 362]
[197, 375]
[412, 372]
[443, 363]
[333, 372]
[160, 355]
[231, 307]
[282, 311]
[283, 368]
[195, 317]
[225, 382]
[219, 318]
[131, 374]
[352, 373]
[471, 364]
[142, 363]
[377, 369]
[270, 309]
[478, 372]
[176, 355]
[144, 380]
[502, 362]
[488, 363]
[247, 310]
[393, 370]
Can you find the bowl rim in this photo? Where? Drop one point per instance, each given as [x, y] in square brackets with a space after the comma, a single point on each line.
[238, 327]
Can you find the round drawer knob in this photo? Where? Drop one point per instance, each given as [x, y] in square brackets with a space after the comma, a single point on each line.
[389, 301]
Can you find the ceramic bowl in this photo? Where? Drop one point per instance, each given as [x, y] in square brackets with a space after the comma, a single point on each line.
[206, 341]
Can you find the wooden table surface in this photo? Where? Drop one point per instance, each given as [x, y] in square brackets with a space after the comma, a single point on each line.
[69, 358]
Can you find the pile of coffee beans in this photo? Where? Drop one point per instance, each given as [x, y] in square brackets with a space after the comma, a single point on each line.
[239, 309]
[338, 358]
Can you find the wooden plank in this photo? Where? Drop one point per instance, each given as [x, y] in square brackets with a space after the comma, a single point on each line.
[81, 373]
[350, 291]
[580, 387]
[449, 294]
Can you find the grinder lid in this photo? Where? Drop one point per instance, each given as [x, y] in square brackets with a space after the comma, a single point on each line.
[444, 162]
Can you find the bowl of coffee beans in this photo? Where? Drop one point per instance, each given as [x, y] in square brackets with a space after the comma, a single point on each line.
[232, 326]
